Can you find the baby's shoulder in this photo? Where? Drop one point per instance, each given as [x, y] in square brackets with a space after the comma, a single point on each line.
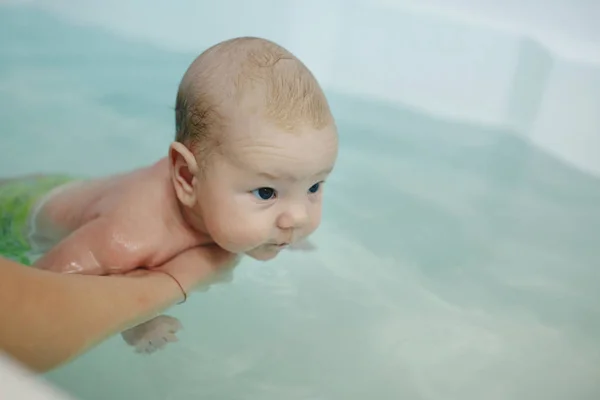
[137, 199]
[129, 192]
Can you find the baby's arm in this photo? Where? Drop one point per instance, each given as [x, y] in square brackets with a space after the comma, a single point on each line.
[96, 248]
[156, 333]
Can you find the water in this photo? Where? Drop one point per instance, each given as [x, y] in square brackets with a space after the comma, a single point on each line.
[455, 261]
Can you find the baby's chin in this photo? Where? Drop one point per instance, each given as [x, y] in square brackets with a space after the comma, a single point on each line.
[262, 254]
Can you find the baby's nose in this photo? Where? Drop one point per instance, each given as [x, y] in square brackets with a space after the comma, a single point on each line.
[294, 218]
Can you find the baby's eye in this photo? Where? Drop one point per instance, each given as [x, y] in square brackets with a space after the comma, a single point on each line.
[315, 188]
[264, 193]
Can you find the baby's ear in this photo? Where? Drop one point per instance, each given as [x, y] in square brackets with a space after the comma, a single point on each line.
[183, 168]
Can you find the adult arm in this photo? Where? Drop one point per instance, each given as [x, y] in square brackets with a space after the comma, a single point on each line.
[47, 319]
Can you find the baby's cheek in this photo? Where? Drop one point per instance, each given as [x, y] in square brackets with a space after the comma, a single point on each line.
[314, 221]
[237, 232]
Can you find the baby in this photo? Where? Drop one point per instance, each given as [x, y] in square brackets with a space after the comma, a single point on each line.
[255, 141]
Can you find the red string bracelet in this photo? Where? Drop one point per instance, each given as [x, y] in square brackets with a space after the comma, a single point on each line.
[178, 284]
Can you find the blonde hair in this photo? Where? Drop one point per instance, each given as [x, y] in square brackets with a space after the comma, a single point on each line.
[228, 74]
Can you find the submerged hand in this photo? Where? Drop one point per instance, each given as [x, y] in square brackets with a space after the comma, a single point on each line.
[153, 335]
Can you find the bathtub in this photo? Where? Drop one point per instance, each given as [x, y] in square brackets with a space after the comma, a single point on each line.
[457, 258]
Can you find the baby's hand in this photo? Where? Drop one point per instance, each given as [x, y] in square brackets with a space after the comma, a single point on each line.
[152, 335]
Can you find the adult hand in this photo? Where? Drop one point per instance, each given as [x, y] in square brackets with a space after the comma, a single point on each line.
[49, 319]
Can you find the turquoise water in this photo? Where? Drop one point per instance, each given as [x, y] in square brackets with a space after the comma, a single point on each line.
[455, 261]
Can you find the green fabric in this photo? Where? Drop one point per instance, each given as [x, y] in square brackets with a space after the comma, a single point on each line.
[17, 198]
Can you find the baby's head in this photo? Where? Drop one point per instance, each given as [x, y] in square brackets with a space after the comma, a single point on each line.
[255, 142]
